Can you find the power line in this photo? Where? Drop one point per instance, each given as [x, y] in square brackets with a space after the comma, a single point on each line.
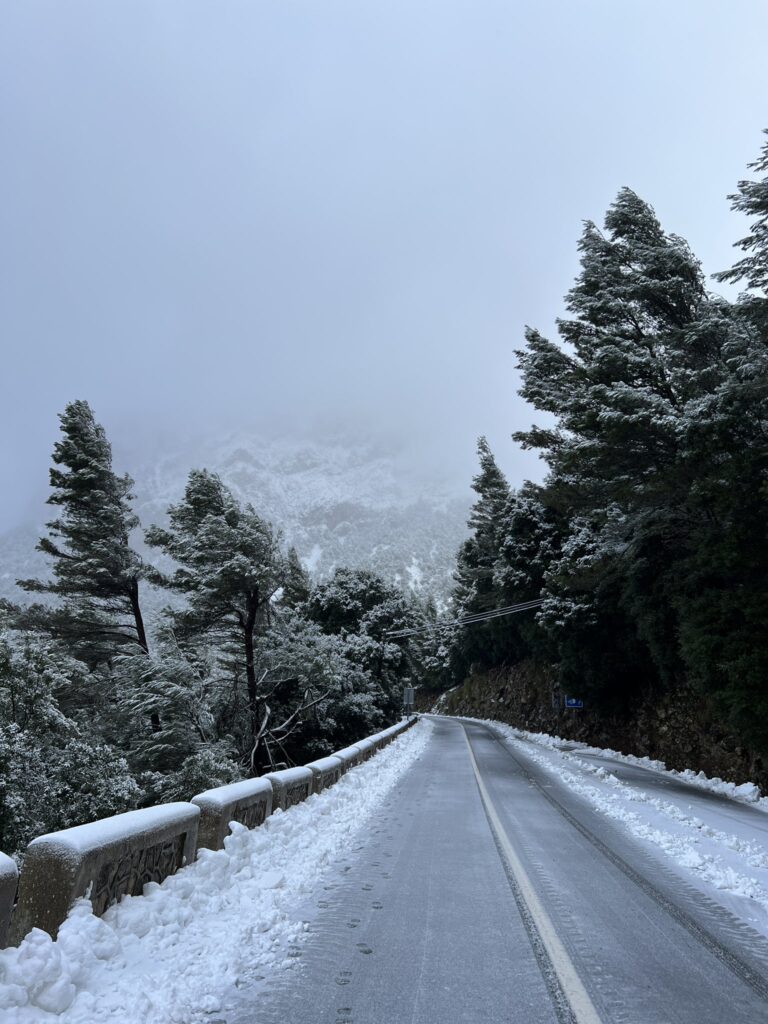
[468, 620]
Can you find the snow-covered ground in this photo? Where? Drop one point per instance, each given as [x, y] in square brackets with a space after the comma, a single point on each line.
[172, 955]
[715, 832]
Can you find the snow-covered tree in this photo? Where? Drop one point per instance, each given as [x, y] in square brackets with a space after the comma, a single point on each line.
[297, 585]
[474, 590]
[229, 569]
[752, 200]
[54, 770]
[96, 572]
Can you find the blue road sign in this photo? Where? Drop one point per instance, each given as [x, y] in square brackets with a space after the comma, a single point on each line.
[574, 702]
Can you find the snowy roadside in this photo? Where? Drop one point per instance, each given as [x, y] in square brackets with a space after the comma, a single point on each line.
[721, 844]
[174, 955]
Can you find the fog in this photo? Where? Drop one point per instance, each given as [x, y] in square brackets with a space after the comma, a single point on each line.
[315, 215]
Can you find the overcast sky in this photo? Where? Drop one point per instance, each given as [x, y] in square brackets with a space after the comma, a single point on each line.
[335, 212]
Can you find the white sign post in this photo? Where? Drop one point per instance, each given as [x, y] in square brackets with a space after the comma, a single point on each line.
[408, 700]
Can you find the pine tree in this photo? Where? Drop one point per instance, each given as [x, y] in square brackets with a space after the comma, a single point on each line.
[342, 602]
[637, 361]
[229, 569]
[297, 587]
[752, 199]
[476, 589]
[96, 572]
[474, 574]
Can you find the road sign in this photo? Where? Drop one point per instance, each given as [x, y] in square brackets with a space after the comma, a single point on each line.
[408, 696]
[574, 702]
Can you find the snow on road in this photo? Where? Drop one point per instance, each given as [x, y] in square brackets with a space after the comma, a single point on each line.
[715, 831]
[173, 955]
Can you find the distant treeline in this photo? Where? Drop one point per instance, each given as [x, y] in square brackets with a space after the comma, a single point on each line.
[648, 539]
[251, 666]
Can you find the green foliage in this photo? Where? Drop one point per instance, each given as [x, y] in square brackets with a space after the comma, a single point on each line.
[53, 771]
[649, 539]
[249, 669]
[96, 573]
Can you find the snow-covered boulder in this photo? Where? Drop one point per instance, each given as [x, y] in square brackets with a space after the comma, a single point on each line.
[9, 877]
[103, 860]
[326, 772]
[290, 786]
[248, 802]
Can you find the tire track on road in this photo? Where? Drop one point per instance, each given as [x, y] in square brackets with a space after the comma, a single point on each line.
[742, 970]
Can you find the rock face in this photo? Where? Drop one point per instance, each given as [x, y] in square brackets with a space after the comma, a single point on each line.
[680, 728]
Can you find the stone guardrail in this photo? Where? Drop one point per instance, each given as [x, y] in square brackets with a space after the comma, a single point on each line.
[291, 786]
[350, 757]
[108, 859]
[9, 880]
[367, 748]
[326, 771]
[117, 856]
[249, 802]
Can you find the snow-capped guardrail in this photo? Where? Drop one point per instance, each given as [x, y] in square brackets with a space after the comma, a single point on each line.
[9, 879]
[108, 859]
[291, 786]
[349, 757]
[248, 802]
[105, 859]
[368, 747]
[325, 772]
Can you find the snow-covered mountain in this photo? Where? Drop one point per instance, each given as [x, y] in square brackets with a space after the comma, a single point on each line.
[339, 503]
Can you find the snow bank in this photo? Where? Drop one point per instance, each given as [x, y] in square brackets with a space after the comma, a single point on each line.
[747, 792]
[177, 954]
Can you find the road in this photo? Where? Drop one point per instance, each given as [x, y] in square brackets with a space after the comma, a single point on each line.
[487, 891]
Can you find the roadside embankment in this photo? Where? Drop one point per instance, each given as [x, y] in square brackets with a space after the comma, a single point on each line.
[681, 727]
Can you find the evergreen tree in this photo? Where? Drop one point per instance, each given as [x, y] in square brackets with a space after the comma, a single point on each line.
[96, 572]
[475, 589]
[649, 539]
[229, 569]
[55, 771]
[752, 200]
[340, 604]
[297, 586]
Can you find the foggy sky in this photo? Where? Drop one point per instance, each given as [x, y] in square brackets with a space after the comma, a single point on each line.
[307, 214]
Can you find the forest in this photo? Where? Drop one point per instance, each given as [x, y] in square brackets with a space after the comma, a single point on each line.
[647, 542]
[648, 537]
[251, 666]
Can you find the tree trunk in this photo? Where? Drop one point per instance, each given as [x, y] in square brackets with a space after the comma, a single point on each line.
[138, 618]
[141, 636]
[249, 624]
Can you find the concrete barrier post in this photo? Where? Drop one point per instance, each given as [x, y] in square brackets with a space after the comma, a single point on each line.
[367, 748]
[248, 802]
[9, 880]
[349, 757]
[290, 786]
[106, 860]
[326, 771]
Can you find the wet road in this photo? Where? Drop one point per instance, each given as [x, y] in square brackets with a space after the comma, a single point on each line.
[485, 891]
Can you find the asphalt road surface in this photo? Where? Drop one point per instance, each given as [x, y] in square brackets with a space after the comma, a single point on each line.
[485, 891]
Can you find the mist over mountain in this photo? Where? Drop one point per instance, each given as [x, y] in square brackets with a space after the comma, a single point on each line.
[340, 502]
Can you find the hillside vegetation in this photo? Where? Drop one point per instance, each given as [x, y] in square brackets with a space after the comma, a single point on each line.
[648, 539]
